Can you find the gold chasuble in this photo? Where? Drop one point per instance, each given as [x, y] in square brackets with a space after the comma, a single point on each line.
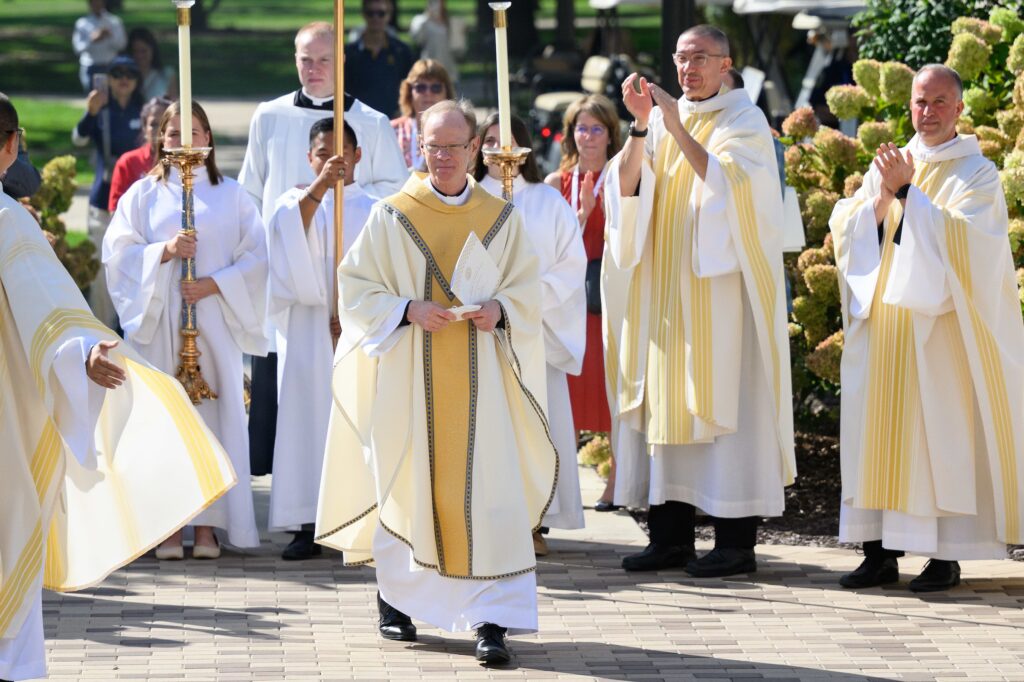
[933, 337]
[698, 251]
[440, 437]
[90, 478]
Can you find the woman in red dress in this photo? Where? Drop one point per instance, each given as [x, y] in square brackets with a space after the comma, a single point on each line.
[591, 135]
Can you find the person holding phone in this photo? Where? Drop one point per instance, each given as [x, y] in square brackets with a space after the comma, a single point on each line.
[112, 124]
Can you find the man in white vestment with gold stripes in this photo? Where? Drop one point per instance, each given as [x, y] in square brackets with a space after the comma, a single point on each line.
[932, 429]
[93, 473]
[439, 462]
[693, 205]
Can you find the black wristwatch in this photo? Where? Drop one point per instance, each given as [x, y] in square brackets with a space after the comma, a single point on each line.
[633, 132]
[903, 191]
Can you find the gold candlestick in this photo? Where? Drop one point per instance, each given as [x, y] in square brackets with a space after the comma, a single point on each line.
[508, 160]
[186, 160]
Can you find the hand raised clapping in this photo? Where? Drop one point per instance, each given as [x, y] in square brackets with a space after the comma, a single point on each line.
[895, 168]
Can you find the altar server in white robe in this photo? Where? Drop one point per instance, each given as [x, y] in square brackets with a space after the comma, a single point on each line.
[438, 462]
[932, 431]
[142, 253]
[692, 206]
[558, 242]
[275, 162]
[302, 283]
[103, 456]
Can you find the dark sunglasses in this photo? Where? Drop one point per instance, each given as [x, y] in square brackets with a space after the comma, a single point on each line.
[123, 73]
[375, 13]
[420, 88]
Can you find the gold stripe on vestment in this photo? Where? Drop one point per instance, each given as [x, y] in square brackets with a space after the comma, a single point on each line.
[16, 586]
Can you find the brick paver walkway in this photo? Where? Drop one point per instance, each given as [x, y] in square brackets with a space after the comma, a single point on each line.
[255, 617]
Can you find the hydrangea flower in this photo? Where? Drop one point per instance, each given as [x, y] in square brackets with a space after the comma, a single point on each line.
[1013, 184]
[991, 150]
[813, 317]
[823, 282]
[847, 101]
[895, 82]
[979, 102]
[837, 150]
[1014, 159]
[968, 56]
[801, 123]
[1018, 91]
[811, 257]
[852, 183]
[990, 33]
[1015, 60]
[1008, 20]
[1010, 121]
[867, 74]
[826, 359]
[965, 125]
[816, 209]
[874, 133]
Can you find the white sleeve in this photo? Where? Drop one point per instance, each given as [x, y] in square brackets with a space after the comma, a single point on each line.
[77, 399]
[714, 253]
[253, 175]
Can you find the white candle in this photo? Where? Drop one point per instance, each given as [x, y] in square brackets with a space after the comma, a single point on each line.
[185, 71]
[501, 66]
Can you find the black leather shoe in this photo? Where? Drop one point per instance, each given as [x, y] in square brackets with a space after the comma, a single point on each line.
[393, 623]
[872, 572]
[301, 547]
[490, 644]
[605, 506]
[937, 575]
[723, 561]
[659, 557]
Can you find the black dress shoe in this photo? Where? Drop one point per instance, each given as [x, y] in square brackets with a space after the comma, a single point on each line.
[605, 506]
[301, 547]
[393, 623]
[723, 561]
[658, 557]
[490, 644]
[937, 575]
[872, 572]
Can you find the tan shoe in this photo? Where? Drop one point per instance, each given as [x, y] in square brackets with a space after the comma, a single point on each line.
[206, 551]
[540, 545]
[170, 553]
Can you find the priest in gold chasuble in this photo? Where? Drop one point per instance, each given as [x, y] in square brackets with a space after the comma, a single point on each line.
[692, 205]
[932, 430]
[439, 464]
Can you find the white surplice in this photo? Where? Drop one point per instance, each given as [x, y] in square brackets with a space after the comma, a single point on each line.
[932, 328]
[230, 248]
[300, 307]
[558, 241]
[275, 158]
[723, 439]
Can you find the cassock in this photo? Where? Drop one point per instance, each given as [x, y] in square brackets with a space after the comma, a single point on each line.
[562, 262]
[301, 297]
[932, 428]
[438, 463]
[90, 478]
[704, 352]
[275, 159]
[231, 249]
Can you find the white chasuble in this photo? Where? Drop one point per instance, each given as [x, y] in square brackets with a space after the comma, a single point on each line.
[703, 357]
[558, 242]
[275, 158]
[932, 430]
[438, 438]
[230, 248]
[90, 479]
[300, 299]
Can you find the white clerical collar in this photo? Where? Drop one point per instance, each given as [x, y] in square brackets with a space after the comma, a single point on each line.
[959, 146]
[317, 101]
[459, 200]
[725, 98]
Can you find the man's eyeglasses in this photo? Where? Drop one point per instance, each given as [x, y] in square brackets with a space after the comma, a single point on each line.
[451, 149]
[699, 59]
[20, 132]
[593, 131]
[421, 88]
[375, 13]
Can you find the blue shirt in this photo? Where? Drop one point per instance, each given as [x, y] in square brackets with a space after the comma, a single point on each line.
[125, 135]
[375, 80]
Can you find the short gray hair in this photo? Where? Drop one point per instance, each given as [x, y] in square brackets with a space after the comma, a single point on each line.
[709, 31]
[463, 106]
[944, 70]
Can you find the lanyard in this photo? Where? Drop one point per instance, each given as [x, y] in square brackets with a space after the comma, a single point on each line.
[574, 195]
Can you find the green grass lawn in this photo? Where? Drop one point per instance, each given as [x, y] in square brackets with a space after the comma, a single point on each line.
[48, 126]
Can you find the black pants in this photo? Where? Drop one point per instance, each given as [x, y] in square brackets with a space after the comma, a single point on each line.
[873, 548]
[673, 524]
[263, 414]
